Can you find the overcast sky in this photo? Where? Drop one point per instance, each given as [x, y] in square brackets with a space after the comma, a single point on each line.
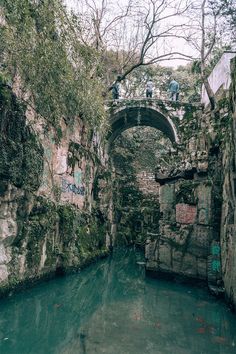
[176, 44]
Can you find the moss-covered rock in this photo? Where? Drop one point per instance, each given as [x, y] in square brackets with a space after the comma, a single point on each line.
[21, 155]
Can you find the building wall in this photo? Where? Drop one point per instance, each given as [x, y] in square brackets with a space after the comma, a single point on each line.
[220, 77]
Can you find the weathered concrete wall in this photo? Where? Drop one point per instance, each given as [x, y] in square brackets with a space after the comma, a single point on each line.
[188, 241]
[50, 218]
[228, 223]
[220, 76]
[185, 241]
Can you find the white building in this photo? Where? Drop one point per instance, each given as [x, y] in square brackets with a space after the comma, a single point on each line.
[220, 76]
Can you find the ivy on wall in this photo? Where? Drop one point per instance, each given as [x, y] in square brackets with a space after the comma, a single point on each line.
[39, 44]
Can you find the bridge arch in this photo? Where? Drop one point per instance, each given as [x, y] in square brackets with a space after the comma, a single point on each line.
[124, 118]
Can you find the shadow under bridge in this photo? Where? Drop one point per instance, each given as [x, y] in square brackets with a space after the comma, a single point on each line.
[126, 114]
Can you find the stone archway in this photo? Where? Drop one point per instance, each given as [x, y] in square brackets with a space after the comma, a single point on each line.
[124, 118]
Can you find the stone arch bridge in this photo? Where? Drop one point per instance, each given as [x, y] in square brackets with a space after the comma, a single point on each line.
[172, 118]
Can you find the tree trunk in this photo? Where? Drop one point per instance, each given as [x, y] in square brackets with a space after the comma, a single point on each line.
[210, 92]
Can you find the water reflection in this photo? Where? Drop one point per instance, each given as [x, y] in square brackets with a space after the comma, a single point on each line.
[112, 308]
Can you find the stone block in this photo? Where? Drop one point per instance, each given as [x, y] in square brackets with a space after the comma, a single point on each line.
[8, 230]
[3, 273]
[202, 268]
[192, 145]
[167, 233]
[182, 235]
[203, 216]
[168, 212]
[4, 256]
[202, 166]
[177, 258]
[150, 249]
[152, 265]
[200, 240]
[204, 196]
[184, 263]
[185, 213]
[167, 194]
[165, 256]
[189, 265]
[204, 204]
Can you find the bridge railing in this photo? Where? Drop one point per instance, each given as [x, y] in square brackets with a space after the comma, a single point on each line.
[166, 101]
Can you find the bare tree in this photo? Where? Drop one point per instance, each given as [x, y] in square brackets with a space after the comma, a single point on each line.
[208, 40]
[140, 34]
[204, 35]
[99, 20]
[157, 22]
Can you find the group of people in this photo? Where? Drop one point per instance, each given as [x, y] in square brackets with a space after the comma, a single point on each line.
[173, 90]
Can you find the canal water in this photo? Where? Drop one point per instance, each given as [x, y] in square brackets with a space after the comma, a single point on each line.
[112, 308]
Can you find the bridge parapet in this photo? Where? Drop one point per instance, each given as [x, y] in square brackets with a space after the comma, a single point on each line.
[178, 120]
[177, 108]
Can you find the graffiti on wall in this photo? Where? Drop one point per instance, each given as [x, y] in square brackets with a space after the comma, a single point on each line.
[68, 187]
[78, 177]
[215, 251]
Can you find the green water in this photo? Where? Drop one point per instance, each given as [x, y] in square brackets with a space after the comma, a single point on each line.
[112, 308]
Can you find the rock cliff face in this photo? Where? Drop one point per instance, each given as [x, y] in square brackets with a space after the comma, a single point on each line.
[179, 217]
[61, 205]
[197, 217]
[228, 221]
[187, 244]
[52, 207]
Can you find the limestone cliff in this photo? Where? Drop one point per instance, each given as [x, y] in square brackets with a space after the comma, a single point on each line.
[228, 228]
[51, 217]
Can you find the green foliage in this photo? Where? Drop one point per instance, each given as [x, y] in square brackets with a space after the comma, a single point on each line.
[40, 46]
[66, 222]
[228, 10]
[196, 67]
[21, 156]
[161, 77]
[140, 149]
[186, 193]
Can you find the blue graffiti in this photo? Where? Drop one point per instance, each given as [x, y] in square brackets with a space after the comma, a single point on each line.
[216, 265]
[215, 249]
[78, 177]
[69, 187]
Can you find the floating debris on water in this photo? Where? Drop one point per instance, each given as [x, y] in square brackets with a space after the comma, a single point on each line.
[201, 330]
[200, 319]
[220, 340]
[57, 305]
[157, 325]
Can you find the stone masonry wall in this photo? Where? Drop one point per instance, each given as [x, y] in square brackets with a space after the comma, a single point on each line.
[51, 217]
[183, 246]
[228, 221]
[187, 244]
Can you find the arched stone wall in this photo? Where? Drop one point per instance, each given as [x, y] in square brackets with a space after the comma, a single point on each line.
[127, 117]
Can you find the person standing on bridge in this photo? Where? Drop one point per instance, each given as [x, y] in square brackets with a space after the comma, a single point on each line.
[174, 90]
[115, 91]
[116, 88]
[149, 88]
